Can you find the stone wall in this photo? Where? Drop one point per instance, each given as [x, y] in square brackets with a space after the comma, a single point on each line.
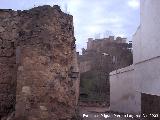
[94, 44]
[43, 63]
[118, 54]
[84, 66]
[8, 67]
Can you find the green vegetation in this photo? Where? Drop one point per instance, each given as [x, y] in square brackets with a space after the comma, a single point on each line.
[92, 87]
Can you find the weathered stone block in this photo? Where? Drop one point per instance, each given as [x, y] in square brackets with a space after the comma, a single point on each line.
[37, 49]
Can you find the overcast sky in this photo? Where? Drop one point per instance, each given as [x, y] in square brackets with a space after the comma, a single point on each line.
[91, 17]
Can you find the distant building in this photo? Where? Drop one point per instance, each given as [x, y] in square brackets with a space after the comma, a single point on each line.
[114, 48]
[101, 57]
[97, 43]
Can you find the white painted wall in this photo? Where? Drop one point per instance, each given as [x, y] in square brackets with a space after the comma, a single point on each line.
[147, 76]
[146, 49]
[127, 84]
[123, 95]
[148, 41]
[137, 46]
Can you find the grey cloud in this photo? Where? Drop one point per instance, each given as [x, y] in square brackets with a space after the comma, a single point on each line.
[91, 16]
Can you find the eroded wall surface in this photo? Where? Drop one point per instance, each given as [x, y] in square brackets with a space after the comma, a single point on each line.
[39, 62]
[8, 67]
[46, 87]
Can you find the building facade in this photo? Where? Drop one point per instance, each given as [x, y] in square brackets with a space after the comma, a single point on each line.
[146, 62]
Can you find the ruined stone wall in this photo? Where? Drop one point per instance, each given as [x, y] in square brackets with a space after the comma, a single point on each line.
[119, 56]
[46, 76]
[84, 66]
[42, 65]
[94, 44]
[8, 35]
